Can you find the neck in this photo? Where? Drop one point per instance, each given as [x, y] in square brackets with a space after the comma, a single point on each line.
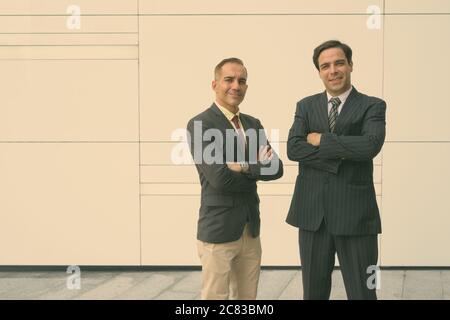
[232, 109]
[338, 93]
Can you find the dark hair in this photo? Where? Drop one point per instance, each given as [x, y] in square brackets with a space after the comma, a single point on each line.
[332, 44]
[218, 68]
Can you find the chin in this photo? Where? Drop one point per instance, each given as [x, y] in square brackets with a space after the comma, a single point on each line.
[337, 89]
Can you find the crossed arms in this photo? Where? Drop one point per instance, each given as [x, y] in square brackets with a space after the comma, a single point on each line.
[229, 177]
[325, 151]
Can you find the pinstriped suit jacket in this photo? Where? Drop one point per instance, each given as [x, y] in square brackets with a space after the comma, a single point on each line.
[335, 180]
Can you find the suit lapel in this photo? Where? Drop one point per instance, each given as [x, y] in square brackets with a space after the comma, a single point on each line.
[322, 112]
[350, 106]
[246, 123]
[222, 121]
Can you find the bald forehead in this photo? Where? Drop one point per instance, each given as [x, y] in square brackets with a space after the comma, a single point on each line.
[231, 69]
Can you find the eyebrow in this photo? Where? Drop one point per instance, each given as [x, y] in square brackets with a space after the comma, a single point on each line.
[327, 63]
[231, 77]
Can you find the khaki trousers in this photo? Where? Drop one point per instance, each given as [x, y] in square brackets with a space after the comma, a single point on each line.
[230, 270]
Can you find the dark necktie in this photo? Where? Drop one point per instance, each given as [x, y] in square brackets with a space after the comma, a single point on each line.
[335, 102]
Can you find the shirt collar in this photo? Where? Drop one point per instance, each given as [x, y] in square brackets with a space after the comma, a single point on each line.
[342, 96]
[227, 113]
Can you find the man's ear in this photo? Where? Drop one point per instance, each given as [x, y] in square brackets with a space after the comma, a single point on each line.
[351, 66]
[214, 84]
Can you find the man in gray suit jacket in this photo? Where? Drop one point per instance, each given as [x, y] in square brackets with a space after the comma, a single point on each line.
[334, 138]
[231, 153]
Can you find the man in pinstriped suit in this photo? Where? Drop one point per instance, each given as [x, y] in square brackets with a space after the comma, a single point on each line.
[334, 137]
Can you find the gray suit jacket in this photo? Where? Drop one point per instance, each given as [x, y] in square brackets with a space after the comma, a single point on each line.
[335, 180]
[228, 199]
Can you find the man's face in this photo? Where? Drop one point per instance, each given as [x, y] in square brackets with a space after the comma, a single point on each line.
[230, 85]
[334, 70]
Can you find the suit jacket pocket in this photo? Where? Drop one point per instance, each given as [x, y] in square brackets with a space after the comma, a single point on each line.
[217, 200]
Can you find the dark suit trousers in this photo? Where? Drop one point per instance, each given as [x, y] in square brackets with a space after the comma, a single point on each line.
[355, 254]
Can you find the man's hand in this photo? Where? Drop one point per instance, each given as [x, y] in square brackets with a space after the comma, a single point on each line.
[314, 138]
[265, 154]
[234, 166]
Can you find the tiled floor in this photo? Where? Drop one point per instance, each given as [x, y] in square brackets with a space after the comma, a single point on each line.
[173, 285]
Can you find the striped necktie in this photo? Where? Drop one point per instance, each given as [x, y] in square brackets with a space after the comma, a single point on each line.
[332, 117]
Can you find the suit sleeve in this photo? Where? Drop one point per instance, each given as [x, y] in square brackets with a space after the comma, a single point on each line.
[358, 148]
[217, 174]
[266, 171]
[301, 151]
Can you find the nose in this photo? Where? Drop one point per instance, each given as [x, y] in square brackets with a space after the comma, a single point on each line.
[235, 85]
[333, 69]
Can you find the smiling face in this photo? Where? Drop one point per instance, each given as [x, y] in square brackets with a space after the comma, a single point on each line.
[230, 86]
[335, 71]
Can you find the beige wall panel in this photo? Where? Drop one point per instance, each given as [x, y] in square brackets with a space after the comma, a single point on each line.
[255, 6]
[169, 174]
[378, 190]
[417, 6]
[278, 239]
[416, 92]
[174, 189]
[69, 53]
[69, 39]
[68, 204]
[58, 24]
[35, 7]
[69, 100]
[169, 230]
[165, 153]
[416, 219]
[377, 174]
[276, 49]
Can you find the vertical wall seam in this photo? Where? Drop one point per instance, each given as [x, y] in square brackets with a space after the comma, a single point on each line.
[383, 44]
[139, 130]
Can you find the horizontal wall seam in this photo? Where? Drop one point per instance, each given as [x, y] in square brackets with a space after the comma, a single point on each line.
[69, 32]
[66, 59]
[228, 14]
[45, 142]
